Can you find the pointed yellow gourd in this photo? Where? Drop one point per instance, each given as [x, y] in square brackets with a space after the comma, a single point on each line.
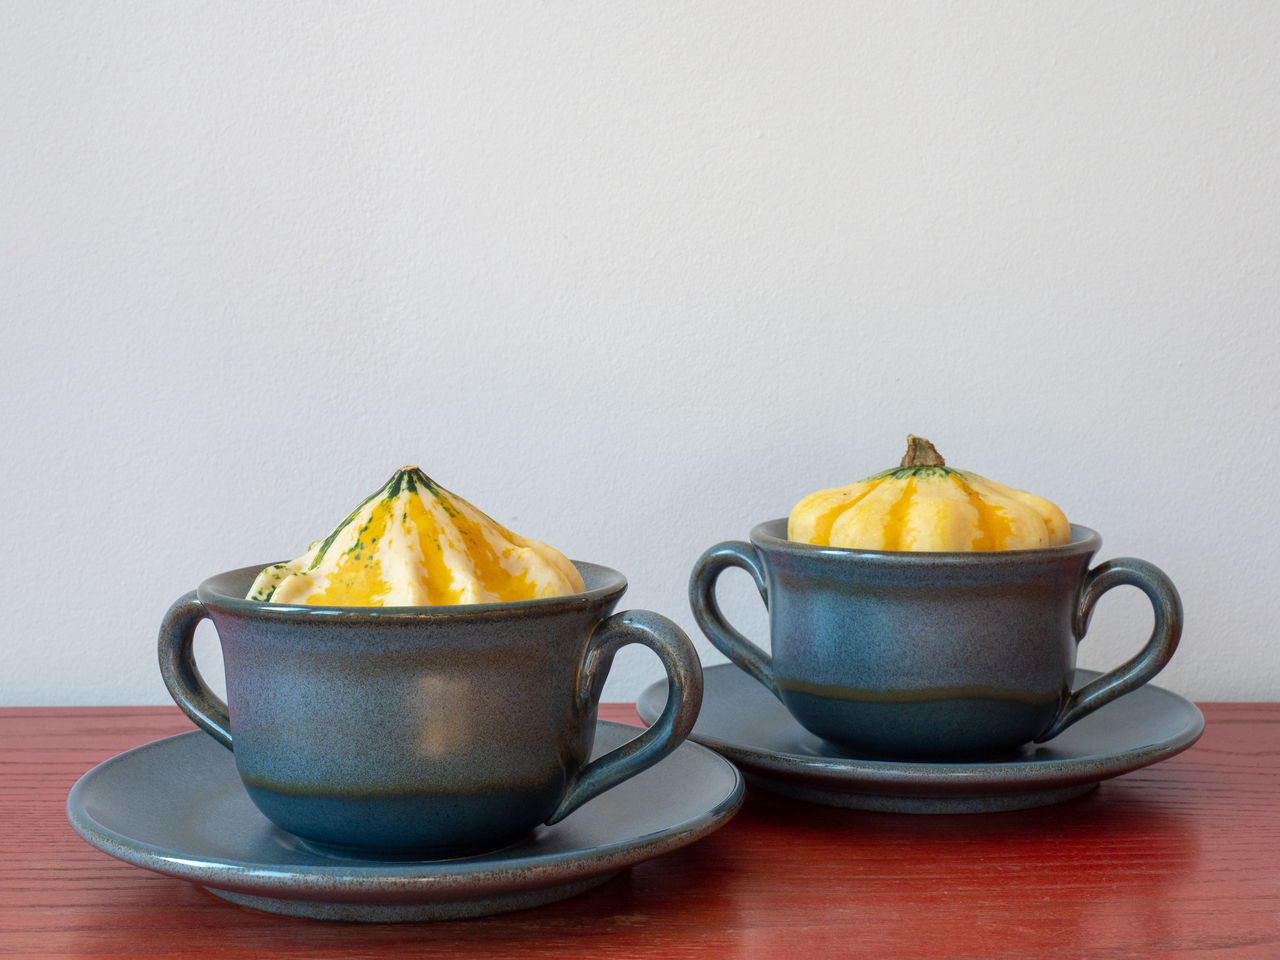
[413, 543]
[924, 505]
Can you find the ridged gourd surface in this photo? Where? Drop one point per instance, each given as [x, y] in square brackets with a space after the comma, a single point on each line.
[931, 508]
[413, 543]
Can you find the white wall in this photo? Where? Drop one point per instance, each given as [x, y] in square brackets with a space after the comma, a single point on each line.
[631, 278]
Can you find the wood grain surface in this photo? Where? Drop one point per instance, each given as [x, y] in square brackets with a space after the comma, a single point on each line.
[1181, 859]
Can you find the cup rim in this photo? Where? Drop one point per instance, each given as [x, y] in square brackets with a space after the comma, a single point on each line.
[1084, 540]
[609, 583]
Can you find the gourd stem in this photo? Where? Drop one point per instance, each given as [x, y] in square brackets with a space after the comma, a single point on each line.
[921, 453]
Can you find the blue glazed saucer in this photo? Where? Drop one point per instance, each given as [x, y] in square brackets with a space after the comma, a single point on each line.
[742, 721]
[177, 807]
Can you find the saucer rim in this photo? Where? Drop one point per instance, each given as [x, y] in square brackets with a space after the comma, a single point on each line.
[881, 776]
[414, 882]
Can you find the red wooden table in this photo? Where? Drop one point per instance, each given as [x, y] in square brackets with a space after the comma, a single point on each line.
[1181, 859]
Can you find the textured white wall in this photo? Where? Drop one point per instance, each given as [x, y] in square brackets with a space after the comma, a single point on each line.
[631, 278]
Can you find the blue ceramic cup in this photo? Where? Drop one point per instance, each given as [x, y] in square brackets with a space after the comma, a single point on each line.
[929, 655]
[422, 732]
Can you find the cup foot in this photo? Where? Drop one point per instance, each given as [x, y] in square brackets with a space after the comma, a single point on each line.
[853, 799]
[405, 826]
[947, 725]
[858, 750]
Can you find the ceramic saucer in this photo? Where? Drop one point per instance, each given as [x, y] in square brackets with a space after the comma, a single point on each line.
[741, 720]
[177, 806]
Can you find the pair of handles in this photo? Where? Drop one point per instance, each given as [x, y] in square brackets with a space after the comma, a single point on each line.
[1129, 676]
[684, 691]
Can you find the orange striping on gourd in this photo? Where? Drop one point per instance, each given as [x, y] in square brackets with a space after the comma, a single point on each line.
[358, 579]
[439, 578]
[485, 562]
[895, 522]
[822, 526]
[994, 526]
[413, 543]
[924, 505]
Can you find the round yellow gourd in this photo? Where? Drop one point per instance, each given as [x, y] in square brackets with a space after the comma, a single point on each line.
[925, 505]
[413, 543]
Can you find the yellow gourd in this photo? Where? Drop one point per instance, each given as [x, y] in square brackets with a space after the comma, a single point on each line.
[925, 505]
[413, 543]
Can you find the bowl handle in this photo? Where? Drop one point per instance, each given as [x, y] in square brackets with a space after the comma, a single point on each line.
[182, 676]
[684, 699]
[707, 613]
[1148, 661]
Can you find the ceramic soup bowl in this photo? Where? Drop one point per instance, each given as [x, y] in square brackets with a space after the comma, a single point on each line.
[931, 655]
[422, 732]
